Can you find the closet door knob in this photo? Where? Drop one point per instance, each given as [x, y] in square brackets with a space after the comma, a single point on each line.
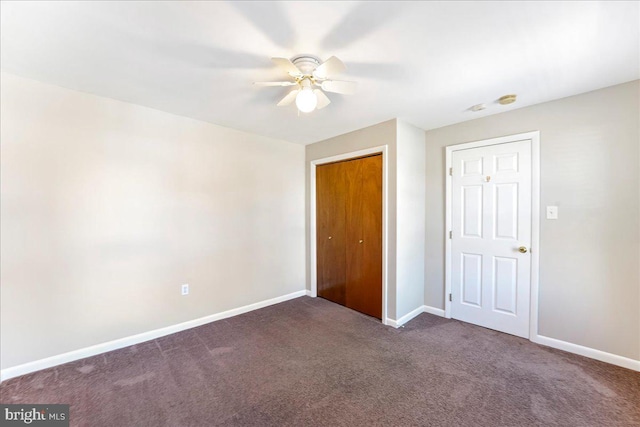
[329, 237]
[361, 241]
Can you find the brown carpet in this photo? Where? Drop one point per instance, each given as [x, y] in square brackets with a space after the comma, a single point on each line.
[309, 362]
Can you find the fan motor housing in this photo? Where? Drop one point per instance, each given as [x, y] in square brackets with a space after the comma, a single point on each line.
[306, 63]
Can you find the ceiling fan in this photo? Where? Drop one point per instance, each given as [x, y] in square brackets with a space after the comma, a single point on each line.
[311, 78]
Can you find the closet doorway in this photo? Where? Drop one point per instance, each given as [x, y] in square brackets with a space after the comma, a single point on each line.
[349, 233]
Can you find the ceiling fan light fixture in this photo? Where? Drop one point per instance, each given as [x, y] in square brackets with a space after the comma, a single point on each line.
[306, 100]
[312, 79]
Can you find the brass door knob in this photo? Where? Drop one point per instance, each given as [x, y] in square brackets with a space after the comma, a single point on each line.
[361, 241]
[522, 250]
[329, 237]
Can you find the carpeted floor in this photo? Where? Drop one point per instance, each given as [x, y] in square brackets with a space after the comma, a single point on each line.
[309, 362]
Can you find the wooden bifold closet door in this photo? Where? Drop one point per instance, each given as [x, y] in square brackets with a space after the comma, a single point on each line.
[349, 233]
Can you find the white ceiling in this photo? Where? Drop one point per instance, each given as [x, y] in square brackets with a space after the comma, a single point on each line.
[424, 62]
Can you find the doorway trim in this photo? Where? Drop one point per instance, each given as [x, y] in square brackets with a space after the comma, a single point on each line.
[313, 261]
[534, 137]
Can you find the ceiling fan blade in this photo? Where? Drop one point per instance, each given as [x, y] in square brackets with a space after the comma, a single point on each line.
[323, 100]
[337, 86]
[291, 96]
[363, 19]
[287, 66]
[330, 67]
[274, 83]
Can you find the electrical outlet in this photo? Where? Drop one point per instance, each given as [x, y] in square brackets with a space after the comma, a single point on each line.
[185, 289]
[552, 212]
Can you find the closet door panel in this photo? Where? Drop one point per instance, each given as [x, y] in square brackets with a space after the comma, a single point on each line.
[353, 174]
[364, 231]
[331, 198]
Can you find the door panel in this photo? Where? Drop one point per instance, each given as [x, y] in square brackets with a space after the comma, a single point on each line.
[472, 211]
[505, 207]
[504, 284]
[331, 219]
[349, 233]
[491, 219]
[364, 290]
[472, 279]
[472, 167]
[355, 259]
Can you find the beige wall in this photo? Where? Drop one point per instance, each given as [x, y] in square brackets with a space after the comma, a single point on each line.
[410, 215]
[108, 207]
[589, 257]
[372, 136]
[406, 201]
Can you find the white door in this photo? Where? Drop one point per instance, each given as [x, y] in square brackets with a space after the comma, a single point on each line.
[491, 236]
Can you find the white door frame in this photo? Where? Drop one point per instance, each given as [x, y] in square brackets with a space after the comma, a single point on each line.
[312, 217]
[535, 218]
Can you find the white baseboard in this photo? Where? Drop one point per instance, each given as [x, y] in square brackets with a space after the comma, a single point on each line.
[433, 310]
[422, 309]
[82, 353]
[391, 322]
[592, 353]
[307, 292]
[404, 319]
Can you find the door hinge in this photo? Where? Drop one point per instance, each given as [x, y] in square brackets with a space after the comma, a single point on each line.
[451, 171]
[450, 298]
[451, 234]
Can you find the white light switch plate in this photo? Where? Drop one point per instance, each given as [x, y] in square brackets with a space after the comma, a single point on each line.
[552, 212]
